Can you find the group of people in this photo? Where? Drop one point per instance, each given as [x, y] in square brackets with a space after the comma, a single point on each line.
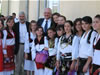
[53, 45]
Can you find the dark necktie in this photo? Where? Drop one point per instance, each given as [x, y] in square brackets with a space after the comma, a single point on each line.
[46, 25]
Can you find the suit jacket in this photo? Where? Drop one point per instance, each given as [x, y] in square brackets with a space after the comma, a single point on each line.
[17, 35]
[40, 21]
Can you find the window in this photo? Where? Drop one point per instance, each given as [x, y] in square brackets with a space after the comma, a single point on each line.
[42, 4]
[54, 5]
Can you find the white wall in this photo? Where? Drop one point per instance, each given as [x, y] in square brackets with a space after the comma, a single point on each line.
[33, 6]
[14, 7]
[74, 9]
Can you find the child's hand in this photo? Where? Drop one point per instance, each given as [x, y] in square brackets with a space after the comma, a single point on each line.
[85, 68]
[5, 55]
[45, 48]
[91, 69]
[76, 66]
[72, 66]
[26, 56]
[57, 65]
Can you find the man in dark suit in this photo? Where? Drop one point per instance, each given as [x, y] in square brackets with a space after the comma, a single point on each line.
[20, 28]
[46, 22]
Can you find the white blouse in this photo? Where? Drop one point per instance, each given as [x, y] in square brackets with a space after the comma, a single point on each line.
[27, 44]
[96, 57]
[52, 51]
[63, 49]
[86, 49]
[6, 41]
[37, 47]
[75, 47]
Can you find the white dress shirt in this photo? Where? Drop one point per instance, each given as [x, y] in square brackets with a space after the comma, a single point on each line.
[22, 32]
[44, 22]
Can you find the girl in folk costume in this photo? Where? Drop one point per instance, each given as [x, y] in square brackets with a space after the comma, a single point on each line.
[38, 46]
[1, 48]
[85, 50]
[96, 46]
[51, 44]
[29, 64]
[9, 42]
[78, 31]
[60, 32]
[64, 52]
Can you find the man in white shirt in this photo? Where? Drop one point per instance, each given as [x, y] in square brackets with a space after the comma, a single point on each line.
[15, 19]
[21, 28]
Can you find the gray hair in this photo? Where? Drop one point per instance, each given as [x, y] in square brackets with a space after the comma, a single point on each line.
[21, 13]
[49, 9]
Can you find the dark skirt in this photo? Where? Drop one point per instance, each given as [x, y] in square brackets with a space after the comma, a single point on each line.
[95, 69]
[51, 61]
[82, 62]
[9, 61]
[65, 64]
[29, 56]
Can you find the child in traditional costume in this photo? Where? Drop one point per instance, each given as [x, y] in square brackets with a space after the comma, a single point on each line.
[96, 46]
[29, 64]
[64, 52]
[78, 31]
[85, 50]
[1, 48]
[51, 44]
[38, 47]
[9, 42]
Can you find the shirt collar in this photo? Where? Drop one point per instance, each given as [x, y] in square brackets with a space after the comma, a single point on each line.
[48, 20]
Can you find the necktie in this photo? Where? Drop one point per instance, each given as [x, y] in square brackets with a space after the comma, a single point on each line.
[46, 25]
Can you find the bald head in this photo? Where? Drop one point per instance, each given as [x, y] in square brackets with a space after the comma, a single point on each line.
[47, 13]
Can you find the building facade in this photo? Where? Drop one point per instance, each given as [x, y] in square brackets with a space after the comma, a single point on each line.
[34, 8]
